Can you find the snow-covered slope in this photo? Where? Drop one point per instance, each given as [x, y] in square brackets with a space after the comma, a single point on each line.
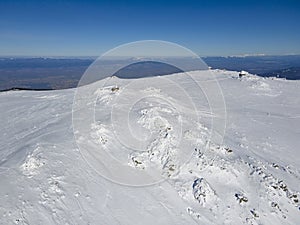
[253, 177]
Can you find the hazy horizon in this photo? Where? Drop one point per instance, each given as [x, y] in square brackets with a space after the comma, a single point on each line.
[94, 56]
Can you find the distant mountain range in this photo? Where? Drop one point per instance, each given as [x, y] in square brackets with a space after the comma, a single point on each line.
[61, 73]
[267, 66]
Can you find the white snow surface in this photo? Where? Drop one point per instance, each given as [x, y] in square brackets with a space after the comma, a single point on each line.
[253, 177]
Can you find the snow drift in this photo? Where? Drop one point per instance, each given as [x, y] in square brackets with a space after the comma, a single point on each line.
[252, 177]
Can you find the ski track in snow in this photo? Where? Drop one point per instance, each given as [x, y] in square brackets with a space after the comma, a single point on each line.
[252, 178]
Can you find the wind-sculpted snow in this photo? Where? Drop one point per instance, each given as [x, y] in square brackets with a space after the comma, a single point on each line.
[251, 178]
[148, 117]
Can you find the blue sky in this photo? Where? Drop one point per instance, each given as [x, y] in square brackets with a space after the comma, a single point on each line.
[85, 28]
